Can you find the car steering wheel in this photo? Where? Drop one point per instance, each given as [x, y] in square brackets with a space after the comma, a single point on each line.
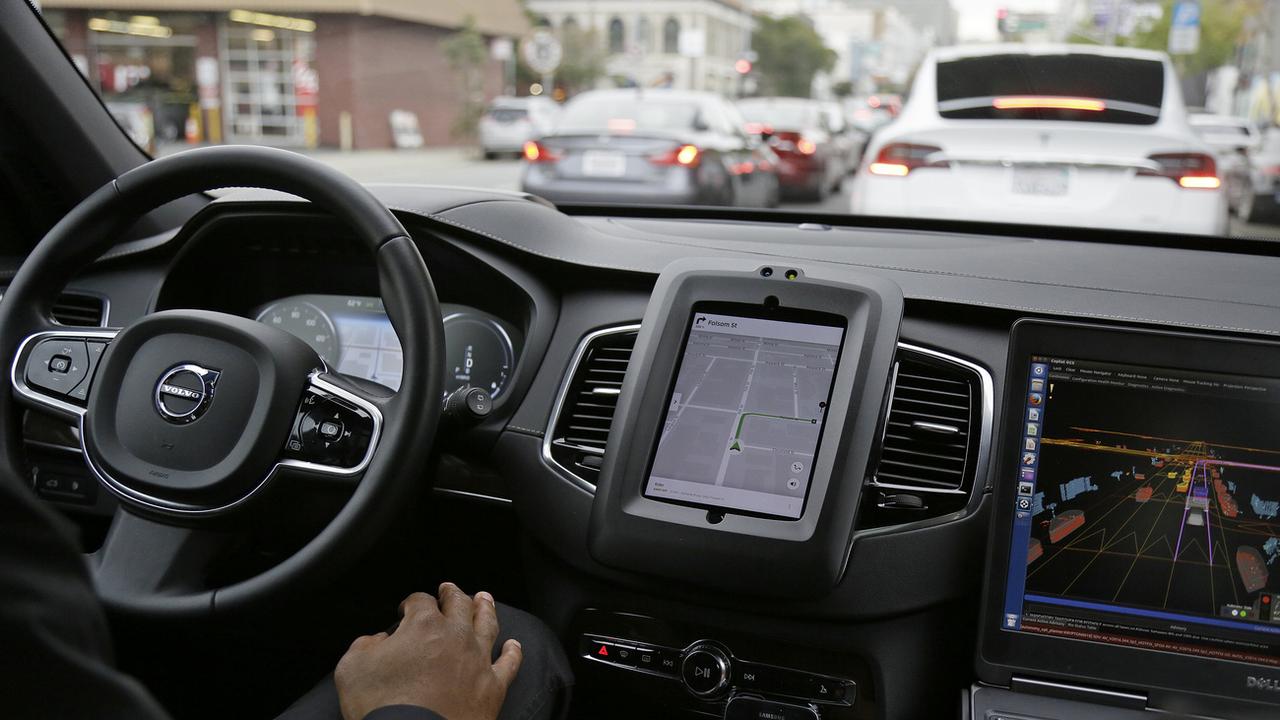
[188, 416]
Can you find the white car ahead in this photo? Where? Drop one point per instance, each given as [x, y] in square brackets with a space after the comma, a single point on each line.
[1049, 135]
[510, 122]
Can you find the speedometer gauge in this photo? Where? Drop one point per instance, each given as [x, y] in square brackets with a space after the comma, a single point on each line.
[306, 322]
[479, 354]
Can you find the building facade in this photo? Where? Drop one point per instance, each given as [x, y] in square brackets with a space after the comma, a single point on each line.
[685, 44]
[317, 72]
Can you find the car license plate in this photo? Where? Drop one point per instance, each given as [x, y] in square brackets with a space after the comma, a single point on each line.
[1040, 180]
[596, 163]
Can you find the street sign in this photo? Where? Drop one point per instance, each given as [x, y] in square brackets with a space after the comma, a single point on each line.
[692, 43]
[542, 52]
[1184, 31]
[501, 49]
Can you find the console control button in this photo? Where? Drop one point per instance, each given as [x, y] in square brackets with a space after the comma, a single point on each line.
[624, 655]
[597, 649]
[705, 670]
[669, 662]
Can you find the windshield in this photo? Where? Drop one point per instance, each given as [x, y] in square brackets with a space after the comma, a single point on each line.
[1128, 115]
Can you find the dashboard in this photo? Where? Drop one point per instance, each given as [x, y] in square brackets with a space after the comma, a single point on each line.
[801, 468]
[354, 336]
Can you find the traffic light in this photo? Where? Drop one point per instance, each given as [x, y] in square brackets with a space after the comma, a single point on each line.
[1002, 20]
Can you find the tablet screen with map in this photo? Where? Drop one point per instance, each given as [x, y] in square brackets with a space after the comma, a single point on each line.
[1147, 511]
[746, 412]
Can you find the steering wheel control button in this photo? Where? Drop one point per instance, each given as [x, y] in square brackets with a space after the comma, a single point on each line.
[745, 707]
[705, 671]
[329, 431]
[58, 365]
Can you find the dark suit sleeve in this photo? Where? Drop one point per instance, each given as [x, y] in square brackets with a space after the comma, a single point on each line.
[403, 712]
[55, 656]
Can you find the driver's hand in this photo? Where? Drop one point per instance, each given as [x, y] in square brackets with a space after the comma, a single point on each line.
[438, 658]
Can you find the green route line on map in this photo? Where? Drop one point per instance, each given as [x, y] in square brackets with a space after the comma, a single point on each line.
[742, 418]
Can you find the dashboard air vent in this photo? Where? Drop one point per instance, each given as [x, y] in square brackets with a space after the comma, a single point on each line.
[579, 428]
[79, 310]
[932, 436]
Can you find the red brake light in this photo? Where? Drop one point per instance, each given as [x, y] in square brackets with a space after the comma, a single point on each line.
[536, 152]
[685, 156]
[1195, 171]
[806, 146]
[1034, 102]
[898, 159]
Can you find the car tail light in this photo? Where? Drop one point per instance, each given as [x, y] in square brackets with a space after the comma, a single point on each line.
[806, 146]
[536, 152]
[685, 156]
[1050, 102]
[1190, 170]
[898, 159]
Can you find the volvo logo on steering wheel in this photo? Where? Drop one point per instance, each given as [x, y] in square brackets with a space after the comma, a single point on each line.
[184, 392]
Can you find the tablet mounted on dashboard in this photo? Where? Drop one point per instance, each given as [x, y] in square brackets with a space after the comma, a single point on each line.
[1136, 534]
[746, 426]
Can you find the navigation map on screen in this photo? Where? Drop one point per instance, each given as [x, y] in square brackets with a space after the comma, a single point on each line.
[1147, 509]
[746, 413]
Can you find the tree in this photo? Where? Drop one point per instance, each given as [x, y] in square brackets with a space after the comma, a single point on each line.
[789, 53]
[1222, 24]
[467, 54]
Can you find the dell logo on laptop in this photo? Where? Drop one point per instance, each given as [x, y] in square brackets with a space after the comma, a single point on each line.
[1255, 682]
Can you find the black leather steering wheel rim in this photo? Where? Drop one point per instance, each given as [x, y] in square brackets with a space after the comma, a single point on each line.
[410, 417]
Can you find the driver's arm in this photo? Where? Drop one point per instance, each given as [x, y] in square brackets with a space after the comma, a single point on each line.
[436, 662]
[55, 650]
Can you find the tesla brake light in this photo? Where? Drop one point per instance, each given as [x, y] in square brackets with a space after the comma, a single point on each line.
[1195, 171]
[899, 159]
[1047, 102]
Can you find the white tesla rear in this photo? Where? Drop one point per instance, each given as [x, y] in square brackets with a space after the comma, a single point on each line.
[1049, 135]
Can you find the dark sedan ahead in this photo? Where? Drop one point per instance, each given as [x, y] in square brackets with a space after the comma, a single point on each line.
[649, 146]
[813, 158]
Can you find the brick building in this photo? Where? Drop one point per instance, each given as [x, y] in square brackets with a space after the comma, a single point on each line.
[282, 72]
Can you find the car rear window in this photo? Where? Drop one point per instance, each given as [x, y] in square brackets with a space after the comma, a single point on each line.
[622, 114]
[508, 114]
[1074, 86]
[783, 115]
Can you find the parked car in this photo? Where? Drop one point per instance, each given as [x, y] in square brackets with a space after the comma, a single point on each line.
[509, 122]
[137, 121]
[649, 146]
[1234, 140]
[1056, 134]
[812, 158]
